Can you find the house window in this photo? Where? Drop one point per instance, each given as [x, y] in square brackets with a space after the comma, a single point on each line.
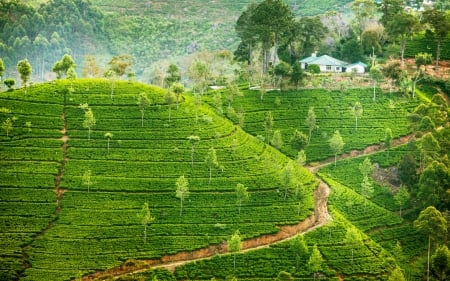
[328, 67]
[338, 68]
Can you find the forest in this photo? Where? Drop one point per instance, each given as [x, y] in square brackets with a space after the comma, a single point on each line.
[131, 151]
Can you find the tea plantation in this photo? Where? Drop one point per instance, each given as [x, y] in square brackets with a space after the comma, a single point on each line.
[72, 191]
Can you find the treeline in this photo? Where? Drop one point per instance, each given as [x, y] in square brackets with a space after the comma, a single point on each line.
[46, 33]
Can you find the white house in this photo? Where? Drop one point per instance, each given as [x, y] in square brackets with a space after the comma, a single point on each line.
[325, 63]
[357, 67]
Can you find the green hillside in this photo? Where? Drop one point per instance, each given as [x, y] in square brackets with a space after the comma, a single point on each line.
[71, 199]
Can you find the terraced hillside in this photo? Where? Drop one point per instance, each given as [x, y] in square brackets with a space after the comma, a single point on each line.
[79, 202]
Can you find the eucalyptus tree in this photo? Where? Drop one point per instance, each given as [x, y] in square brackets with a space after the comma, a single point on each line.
[366, 190]
[401, 198]
[25, 70]
[366, 167]
[432, 223]
[143, 102]
[120, 64]
[178, 90]
[182, 191]
[364, 11]
[439, 22]
[169, 98]
[89, 121]
[146, 218]
[193, 139]
[2, 70]
[336, 144]
[62, 66]
[376, 75]
[357, 111]
[87, 179]
[277, 139]
[241, 194]
[235, 245]
[211, 161]
[7, 125]
[172, 75]
[403, 26]
[108, 136]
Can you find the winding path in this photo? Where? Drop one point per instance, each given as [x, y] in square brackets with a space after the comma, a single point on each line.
[318, 219]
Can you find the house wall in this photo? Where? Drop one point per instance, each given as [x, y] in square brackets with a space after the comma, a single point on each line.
[356, 68]
[332, 68]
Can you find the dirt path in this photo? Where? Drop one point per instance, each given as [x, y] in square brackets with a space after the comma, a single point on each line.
[319, 218]
[170, 262]
[59, 195]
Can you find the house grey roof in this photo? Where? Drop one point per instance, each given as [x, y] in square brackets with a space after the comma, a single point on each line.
[324, 60]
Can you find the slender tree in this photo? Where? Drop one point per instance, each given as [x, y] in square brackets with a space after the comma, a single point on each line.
[62, 66]
[143, 102]
[301, 158]
[25, 70]
[7, 125]
[311, 122]
[146, 218]
[277, 139]
[366, 190]
[375, 75]
[432, 223]
[108, 136]
[366, 167]
[178, 90]
[89, 121]
[87, 179]
[396, 275]
[401, 198]
[268, 125]
[288, 177]
[336, 144]
[235, 246]
[182, 191]
[439, 22]
[353, 239]
[211, 161]
[170, 99]
[402, 27]
[241, 195]
[120, 64]
[315, 261]
[193, 139]
[299, 247]
[357, 111]
[2, 69]
[173, 75]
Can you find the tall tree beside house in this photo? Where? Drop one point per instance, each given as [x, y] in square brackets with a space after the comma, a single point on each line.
[402, 27]
[439, 27]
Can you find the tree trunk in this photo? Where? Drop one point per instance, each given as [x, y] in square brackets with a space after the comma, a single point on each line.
[335, 159]
[108, 145]
[89, 133]
[438, 53]
[356, 123]
[403, 50]
[181, 207]
[142, 118]
[210, 173]
[145, 233]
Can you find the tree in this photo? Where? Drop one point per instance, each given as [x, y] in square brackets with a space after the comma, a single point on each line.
[407, 170]
[235, 245]
[396, 275]
[89, 121]
[282, 70]
[376, 75]
[90, 67]
[433, 184]
[336, 144]
[120, 64]
[353, 239]
[268, 125]
[389, 9]
[299, 247]
[146, 218]
[401, 198]
[143, 102]
[366, 190]
[311, 122]
[193, 139]
[178, 90]
[402, 27]
[199, 72]
[9, 82]
[439, 23]
[432, 223]
[7, 125]
[24, 69]
[440, 263]
[241, 194]
[108, 136]
[301, 158]
[357, 111]
[366, 167]
[170, 98]
[211, 161]
[277, 139]
[182, 191]
[2, 69]
[363, 10]
[315, 261]
[297, 74]
[173, 75]
[423, 59]
[87, 179]
[288, 177]
[62, 66]
[299, 140]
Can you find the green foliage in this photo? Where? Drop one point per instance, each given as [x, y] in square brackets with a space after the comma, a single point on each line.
[62, 67]
[313, 68]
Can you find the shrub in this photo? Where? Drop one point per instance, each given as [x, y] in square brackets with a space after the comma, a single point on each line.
[314, 68]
